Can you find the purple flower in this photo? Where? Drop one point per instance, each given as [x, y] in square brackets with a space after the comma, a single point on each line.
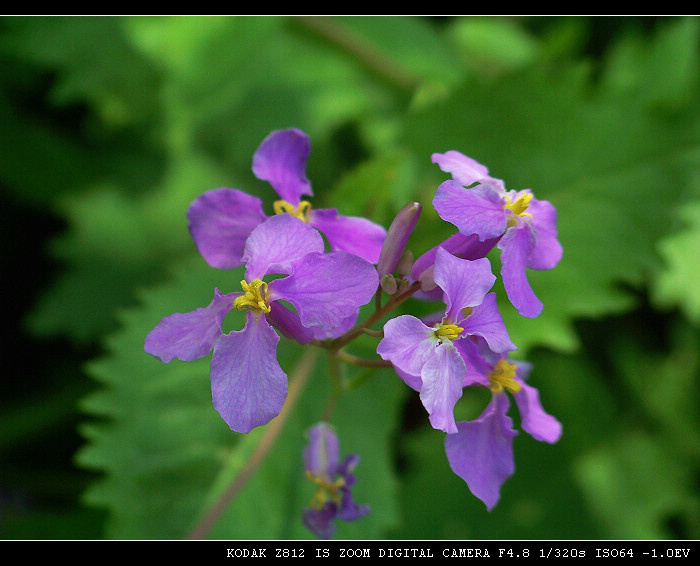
[326, 290]
[220, 220]
[481, 451]
[524, 226]
[333, 480]
[426, 357]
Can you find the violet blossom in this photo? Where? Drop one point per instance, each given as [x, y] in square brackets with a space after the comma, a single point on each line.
[426, 357]
[333, 479]
[481, 451]
[523, 226]
[326, 289]
[220, 220]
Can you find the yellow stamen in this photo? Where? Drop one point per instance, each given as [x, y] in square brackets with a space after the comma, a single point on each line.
[325, 490]
[301, 212]
[255, 296]
[518, 207]
[502, 377]
[446, 331]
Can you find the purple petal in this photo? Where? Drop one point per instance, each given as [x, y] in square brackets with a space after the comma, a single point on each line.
[219, 221]
[442, 376]
[486, 321]
[349, 510]
[548, 250]
[288, 323]
[463, 169]
[328, 288]
[473, 211]
[477, 367]
[413, 381]
[248, 385]
[534, 420]
[320, 521]
[515, 246]
[321, 453]
[464, 282]
[352, 234]
[191, 335]
[281, 161]
[277, 243]
[466, 247]
[407, 343]
[481, 452]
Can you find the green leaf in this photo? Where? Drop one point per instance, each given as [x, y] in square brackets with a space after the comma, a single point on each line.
[634, 485]
[115, 244]
[677, 283]
[671, 58]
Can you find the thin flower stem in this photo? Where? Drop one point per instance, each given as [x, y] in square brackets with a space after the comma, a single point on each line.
[297, 381]
[375, 333]
[337, 385]
[357, 361]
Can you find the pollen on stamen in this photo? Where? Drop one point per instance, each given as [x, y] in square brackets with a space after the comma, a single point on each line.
[301, 212]
[446, 331]
[518, 207]
[254, 296]
[502, 377]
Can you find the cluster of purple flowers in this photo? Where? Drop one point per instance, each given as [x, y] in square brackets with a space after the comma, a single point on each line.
[464, 344]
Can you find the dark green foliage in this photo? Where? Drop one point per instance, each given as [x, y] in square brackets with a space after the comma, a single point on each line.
[111, 126]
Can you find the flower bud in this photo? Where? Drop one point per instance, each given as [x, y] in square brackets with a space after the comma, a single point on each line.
[397, 237]
[388, 283]
[405, 264]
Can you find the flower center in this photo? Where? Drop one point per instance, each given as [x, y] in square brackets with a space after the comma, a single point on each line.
[254, 296]
[518, 207]
[446, 331]
[325, 490]
[502, 377]
[301, 212]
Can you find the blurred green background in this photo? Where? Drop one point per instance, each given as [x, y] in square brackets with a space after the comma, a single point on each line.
[110, 126]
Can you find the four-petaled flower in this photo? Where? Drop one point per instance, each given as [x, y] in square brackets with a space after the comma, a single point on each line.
[220, 220]
[326, 289]
[333, 479]
[525, 228]
[481, 451]
[426, 357]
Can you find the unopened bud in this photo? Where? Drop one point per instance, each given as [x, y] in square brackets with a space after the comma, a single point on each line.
[405, 264]
[397, 237]
[388, 283]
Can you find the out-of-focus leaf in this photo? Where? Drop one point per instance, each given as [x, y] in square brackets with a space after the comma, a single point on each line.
[664, 72]
[490, 46]
[635, 485]
[376, 189]
[114, 245]
[96, 63]
[678, 282]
